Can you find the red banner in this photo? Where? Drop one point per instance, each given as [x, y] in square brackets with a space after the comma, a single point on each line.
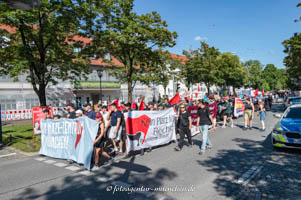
[37, 115]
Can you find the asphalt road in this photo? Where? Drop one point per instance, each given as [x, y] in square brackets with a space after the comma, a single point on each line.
[241, 165]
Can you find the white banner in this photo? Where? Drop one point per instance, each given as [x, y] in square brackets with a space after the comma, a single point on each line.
[149, 128]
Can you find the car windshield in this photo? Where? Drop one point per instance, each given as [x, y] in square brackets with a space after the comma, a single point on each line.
[294, 113]
[295, 100]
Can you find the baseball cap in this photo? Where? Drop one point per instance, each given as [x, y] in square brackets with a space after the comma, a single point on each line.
[98, 115]
[45, 111]
[79, 112]
[87, 104]
[71, 105]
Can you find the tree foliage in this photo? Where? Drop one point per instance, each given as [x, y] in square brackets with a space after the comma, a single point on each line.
[131, 38]
[40, 42]
[233, 72]
[202, 66]
[292, 47]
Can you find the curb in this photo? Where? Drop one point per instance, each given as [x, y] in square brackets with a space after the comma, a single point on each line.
[29, 154]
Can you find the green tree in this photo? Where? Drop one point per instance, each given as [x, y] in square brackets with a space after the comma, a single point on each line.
[233, 72]
[270, 75]
[292, 47]
[40, 42]
[202, 66]
[131, 38]
[254, 68]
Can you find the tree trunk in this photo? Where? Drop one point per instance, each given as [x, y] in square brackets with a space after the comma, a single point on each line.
[208, 89]
[234, 93]
[130, 89]
[165, 87]
[42, 95]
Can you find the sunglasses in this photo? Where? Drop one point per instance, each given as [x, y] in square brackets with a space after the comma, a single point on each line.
[182, 107]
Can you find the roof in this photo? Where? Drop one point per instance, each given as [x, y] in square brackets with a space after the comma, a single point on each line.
[181, 59]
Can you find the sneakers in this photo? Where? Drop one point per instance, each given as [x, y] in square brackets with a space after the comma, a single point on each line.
[95, 167]
[177, 149]
[223, 126]
[245, 128]
[201, 153]
[116, 150]
[250, 127]
[232, 125]
[111, 161]
[208, 147]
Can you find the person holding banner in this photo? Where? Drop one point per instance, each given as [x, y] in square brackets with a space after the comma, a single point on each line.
[184, 125]
[248, 113]
[100, 141]
[203, 122]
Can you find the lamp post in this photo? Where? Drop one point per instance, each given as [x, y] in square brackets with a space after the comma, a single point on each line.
[99, 73]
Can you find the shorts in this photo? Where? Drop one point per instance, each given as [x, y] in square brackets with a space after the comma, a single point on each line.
[227, 114]
[100, 143]
[262, 116]
[114, 136]
[248, 114]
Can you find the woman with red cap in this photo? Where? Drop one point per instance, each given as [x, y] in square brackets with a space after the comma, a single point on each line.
[100, 141]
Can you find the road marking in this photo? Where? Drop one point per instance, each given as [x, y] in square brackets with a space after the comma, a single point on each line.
[126, 185]
[50, 161]
[60, 164]
[86, 173]
[248, 175]
[40, 159]
[73, 168]
[103, 179]
[7, 155]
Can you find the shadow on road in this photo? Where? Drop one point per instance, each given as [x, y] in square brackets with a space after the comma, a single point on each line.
[96, 186]
[279, 177]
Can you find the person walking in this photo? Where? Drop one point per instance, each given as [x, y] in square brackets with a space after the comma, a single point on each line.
[100, 141]
[262, 114]
[184, 125]
[203, 122]
[227, 112]
[115, 130]
[248, 113]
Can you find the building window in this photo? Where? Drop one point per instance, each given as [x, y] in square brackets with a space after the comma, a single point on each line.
[107, 56]
[77, 50]
[31, 102]
[8, 104]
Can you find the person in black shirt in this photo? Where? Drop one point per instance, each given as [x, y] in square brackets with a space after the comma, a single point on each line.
[184, 126]
[71, 111]
[203, 122]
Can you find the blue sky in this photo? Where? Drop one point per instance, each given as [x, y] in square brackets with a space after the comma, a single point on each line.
[252, 29]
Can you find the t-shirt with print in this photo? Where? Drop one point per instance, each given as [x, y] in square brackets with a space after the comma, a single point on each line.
[213, 109]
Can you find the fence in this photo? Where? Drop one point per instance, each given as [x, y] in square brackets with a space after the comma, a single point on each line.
[11, 115]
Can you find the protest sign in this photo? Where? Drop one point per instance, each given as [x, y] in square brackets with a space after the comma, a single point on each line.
[149, 128]
[239, 107]
[69, 139]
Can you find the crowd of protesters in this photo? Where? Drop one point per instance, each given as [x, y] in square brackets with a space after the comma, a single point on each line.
[201, 115]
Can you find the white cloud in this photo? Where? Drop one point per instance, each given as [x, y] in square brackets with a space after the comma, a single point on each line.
[197, 38]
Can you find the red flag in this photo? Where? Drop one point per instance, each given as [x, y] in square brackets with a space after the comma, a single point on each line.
[191, 98]
[175, 99]
[199, 89]
[141, 106]
[196, 95]
[256, 92]
[262, 92]
[133, 106]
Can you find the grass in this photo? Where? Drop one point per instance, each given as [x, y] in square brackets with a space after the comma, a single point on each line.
[22, 138]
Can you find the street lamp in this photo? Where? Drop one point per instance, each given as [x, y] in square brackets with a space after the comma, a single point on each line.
[99, 73]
